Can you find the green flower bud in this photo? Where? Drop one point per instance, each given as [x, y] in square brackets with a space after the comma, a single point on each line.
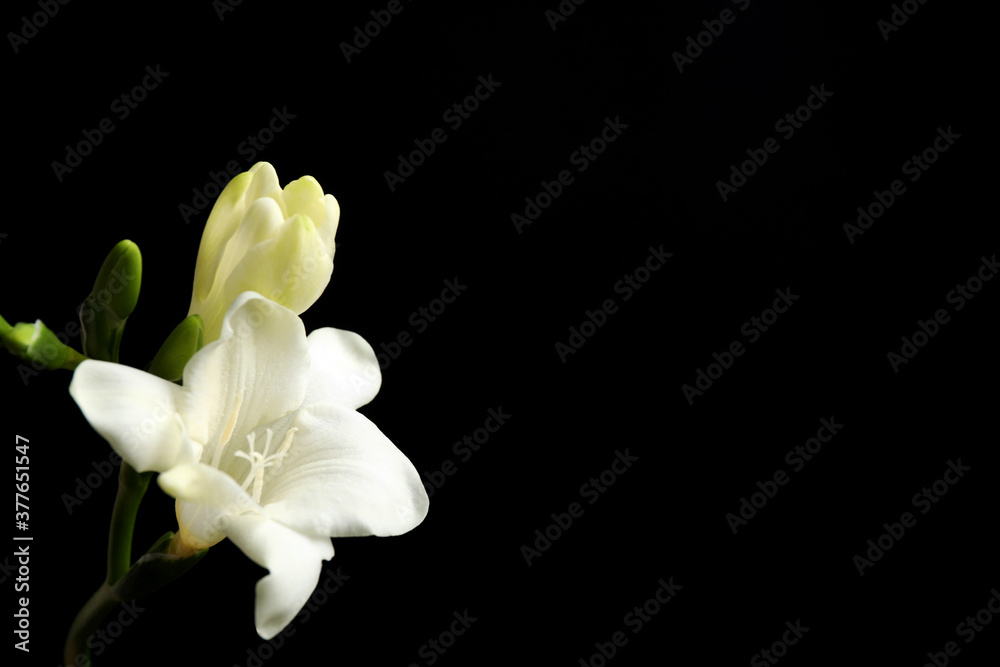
[18, 337]
[186, 339]
[112, 300]
[36, 343]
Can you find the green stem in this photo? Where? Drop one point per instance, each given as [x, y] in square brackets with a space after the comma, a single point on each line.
[5, 328]
[74, 359]
[86, 623]
[131, 487]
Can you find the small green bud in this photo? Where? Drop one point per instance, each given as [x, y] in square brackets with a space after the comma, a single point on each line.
[186, 339]
[112, 300]
[36, 343]
[18, 337]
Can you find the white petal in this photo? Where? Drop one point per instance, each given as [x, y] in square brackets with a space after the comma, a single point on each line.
[208, 501]
[256, 372]
[344, 369]
[137, 413]
[294, 561]
[342, 477]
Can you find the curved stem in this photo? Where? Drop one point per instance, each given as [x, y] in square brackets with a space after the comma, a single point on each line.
[131, 487]
[86, 623]
[73, 359]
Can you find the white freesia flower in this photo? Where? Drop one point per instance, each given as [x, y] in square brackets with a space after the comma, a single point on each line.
[262, 238]
[263, 444]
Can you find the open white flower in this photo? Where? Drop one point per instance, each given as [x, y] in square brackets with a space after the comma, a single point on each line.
[262, 238]
[263, 444]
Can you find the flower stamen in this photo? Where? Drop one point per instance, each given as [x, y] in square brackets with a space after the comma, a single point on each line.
[286, 443]
[260, 460]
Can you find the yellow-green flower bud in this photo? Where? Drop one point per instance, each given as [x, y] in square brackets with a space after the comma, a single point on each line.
[260, 237]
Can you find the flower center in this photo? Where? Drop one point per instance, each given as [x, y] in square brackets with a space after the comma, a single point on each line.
[259, 461]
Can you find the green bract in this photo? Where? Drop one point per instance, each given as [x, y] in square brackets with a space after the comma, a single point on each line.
[186, 339]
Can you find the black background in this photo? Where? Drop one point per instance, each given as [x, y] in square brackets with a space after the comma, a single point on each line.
[495, 346]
